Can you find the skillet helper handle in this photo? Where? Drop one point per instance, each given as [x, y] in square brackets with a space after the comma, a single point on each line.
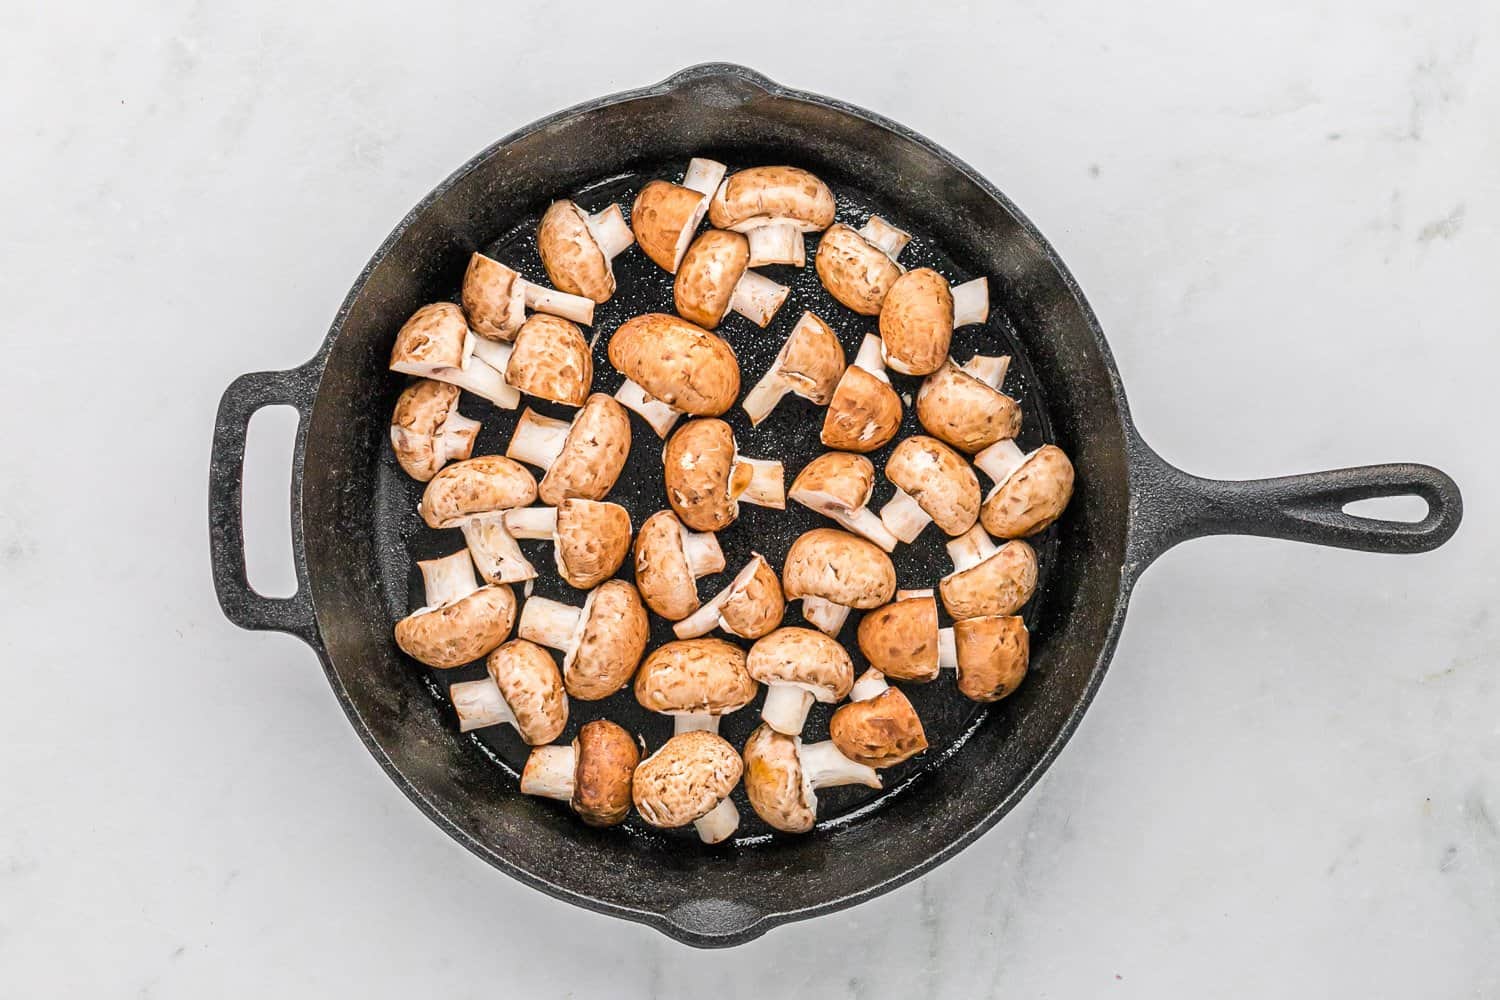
[226, 473]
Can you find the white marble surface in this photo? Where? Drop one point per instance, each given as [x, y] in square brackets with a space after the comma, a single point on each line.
[1287, 215]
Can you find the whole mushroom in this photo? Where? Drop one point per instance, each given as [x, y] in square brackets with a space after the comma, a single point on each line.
[833, 571]
[695, 681]
[878, 726]
[808, 365]
[495, 299]
[964, 407]
[991, 654]
[583, 457]
[773, 206]
[602, 643]
[687, 781]
[669, 559]
[578, 249]
[858, 267]
[474, 495]
[459, 621]
[865, 412]
[523, 690]
[987, 579]
[672, 367]
[798, 666]
[590, 537]
[436, 343]
[427, 431]
[919, 316]
[783, 775]
[666, 215]
[715, 279]
[933, 483]
[1030, 491]
[592, 774]
[706, 477]
[749, 607]
[838, 484]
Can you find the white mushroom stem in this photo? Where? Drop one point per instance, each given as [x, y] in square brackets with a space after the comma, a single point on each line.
[908, 595]
[971, 302]
[947, 650]
[719, 823]
[479, 704]
[823, 766]
[871, 357]
[871, 684]
[550, 623]
[999, 460]
[757, 298]
[825, 615]
[707, 618]
[549, 300]
[456, 435]
[473, 374]
[447, 580]
[987, 369]
[703, 175]
[904, 516]
[537, 440]
[862, 520]
[701, 549]
[777, 244]
[885, 237]
[531, 522]
[786, 707]
[766, 485]
[659, 415]
[610, 230]
[495, 552]
[693, 722]
[762, 399]
[971, 548]
[549, 772]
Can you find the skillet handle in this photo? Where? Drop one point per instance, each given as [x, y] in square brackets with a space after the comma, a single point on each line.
[241, 604]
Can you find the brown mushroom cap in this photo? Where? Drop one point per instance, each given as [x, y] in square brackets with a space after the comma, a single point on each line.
[476, 486]
[417, 421]
[863, 415]
[605, 761]
[938, 479]
[773, 781]
[992, 655]
[592, 539]
[662, 573]
[571, 255]
[674, 361]
[613, 641]
[766, 195]
[710, 269]
[597, 445]
[814, 360]
[552, 360]
[695, 675]
[803, 656]
[495, 307]
[880, 732]
[758, 607]
[698, 461]
[916, 322]
[685, 779]
[998, 586]
[1032, 497]
[529, 681]
[839, 567]
[900, 639]
[957, 408]
[460, 632]
[662, 210]
[855, 271]
[847, 478]
[434, 335]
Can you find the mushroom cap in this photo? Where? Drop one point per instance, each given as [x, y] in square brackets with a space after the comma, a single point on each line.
[839, 567]
[938, 479]
[571, 255]
[710, 269]
[698, 460]
[593, 453]
[416, 421]
[1032, 497]
[662, 573]
[529, 680]
[863, 415]
[605, 759]
[773, 781]
[814, 359]
[676, 362]
[695, 675]
[476, 486]
[691, 774]
[758, 607]
[992, 655]
[592, 540]
[552, 360]
[881, 732]
[662, 210]
[998, 586]
[434, 335]
[806, 657]
[613, 641]
[847, 478]
[916, 322]
[957, 408]
[762, 196]
[495, 307]
[900, 639]
[855, 271]
[461, 632]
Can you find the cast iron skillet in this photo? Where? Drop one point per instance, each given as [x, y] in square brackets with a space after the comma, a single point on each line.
[355, 531]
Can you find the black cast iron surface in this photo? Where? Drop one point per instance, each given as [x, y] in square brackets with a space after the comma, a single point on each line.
[356, 533]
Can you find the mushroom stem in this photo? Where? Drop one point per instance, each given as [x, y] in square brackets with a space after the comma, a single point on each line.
[659, 415]
[719, 823]
[447, 580]
[757, 298]
[871, 684]
[456, 436]
[971, 302]
[999, 460]
[610, 230]
[537, 440]
[703, 175]
[904, 516]
[690, 722]
[884, 237]
[479, 704]
[987, 369]
[762, 399]
[549, 300]
[947, 650]
[823, 766]
[780, 243]
[907, 595]
[824, 614]
[549, 772]
[495, 354]
[864, 522]
[531, 522]
[494, 551]
[871, 357]
[706, 618]
[475, 375]
[971, 548]
[786, 707]
[766, 485]
[701, 549]
[550, 623]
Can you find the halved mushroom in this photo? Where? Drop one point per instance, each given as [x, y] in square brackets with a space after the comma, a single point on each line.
[833, 571]
[715, 279]
[809, 364]
[602, 642]
[592, 774]
[749, 607]
[858, 267]
[919, 316]
[933, 483]
[523, 689]
[706, 478]
[590, 537]
[838, 484]
[902, 639]
[991, 654]
[427, 431]
[783, 775]
[474, 496]
[798, 666]
[964, 405]
[578, 249]
[666, 215]
[582, 457]
[549, 359]
[695, 681]
[437, 343]
[879, 726]
[459, 620]
[987, 580]
[669, 559]
[1030, 489]
[496, 298]
[672, 367]
[865, 411]
[773, 206]
[687, 781]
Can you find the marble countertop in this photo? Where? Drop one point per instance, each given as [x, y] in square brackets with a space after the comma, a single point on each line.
[1288, 219]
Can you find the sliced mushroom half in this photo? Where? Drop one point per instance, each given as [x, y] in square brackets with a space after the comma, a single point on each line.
[858, 266]
[672, 367]
[582, 457]
[706, 477]
[427, 431]
[798, 666]
[437, 343]
[749, 607]
[578, 249]
[590, 537]
[523, 690]
[933, 484]
[919, 315]
[602, 643]
[687, 781]
[773, 206]
[474, 496]
[964, 407]
[715, 279]
[987, 579]
[832, 571]
[808, 365]
[879, 726]
[1031, 489]
[669, 560]
[695, 681]
[865, 412]
[459, 621]
[783, 775]
[838, 484]
[666, 215]
[496, 299]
